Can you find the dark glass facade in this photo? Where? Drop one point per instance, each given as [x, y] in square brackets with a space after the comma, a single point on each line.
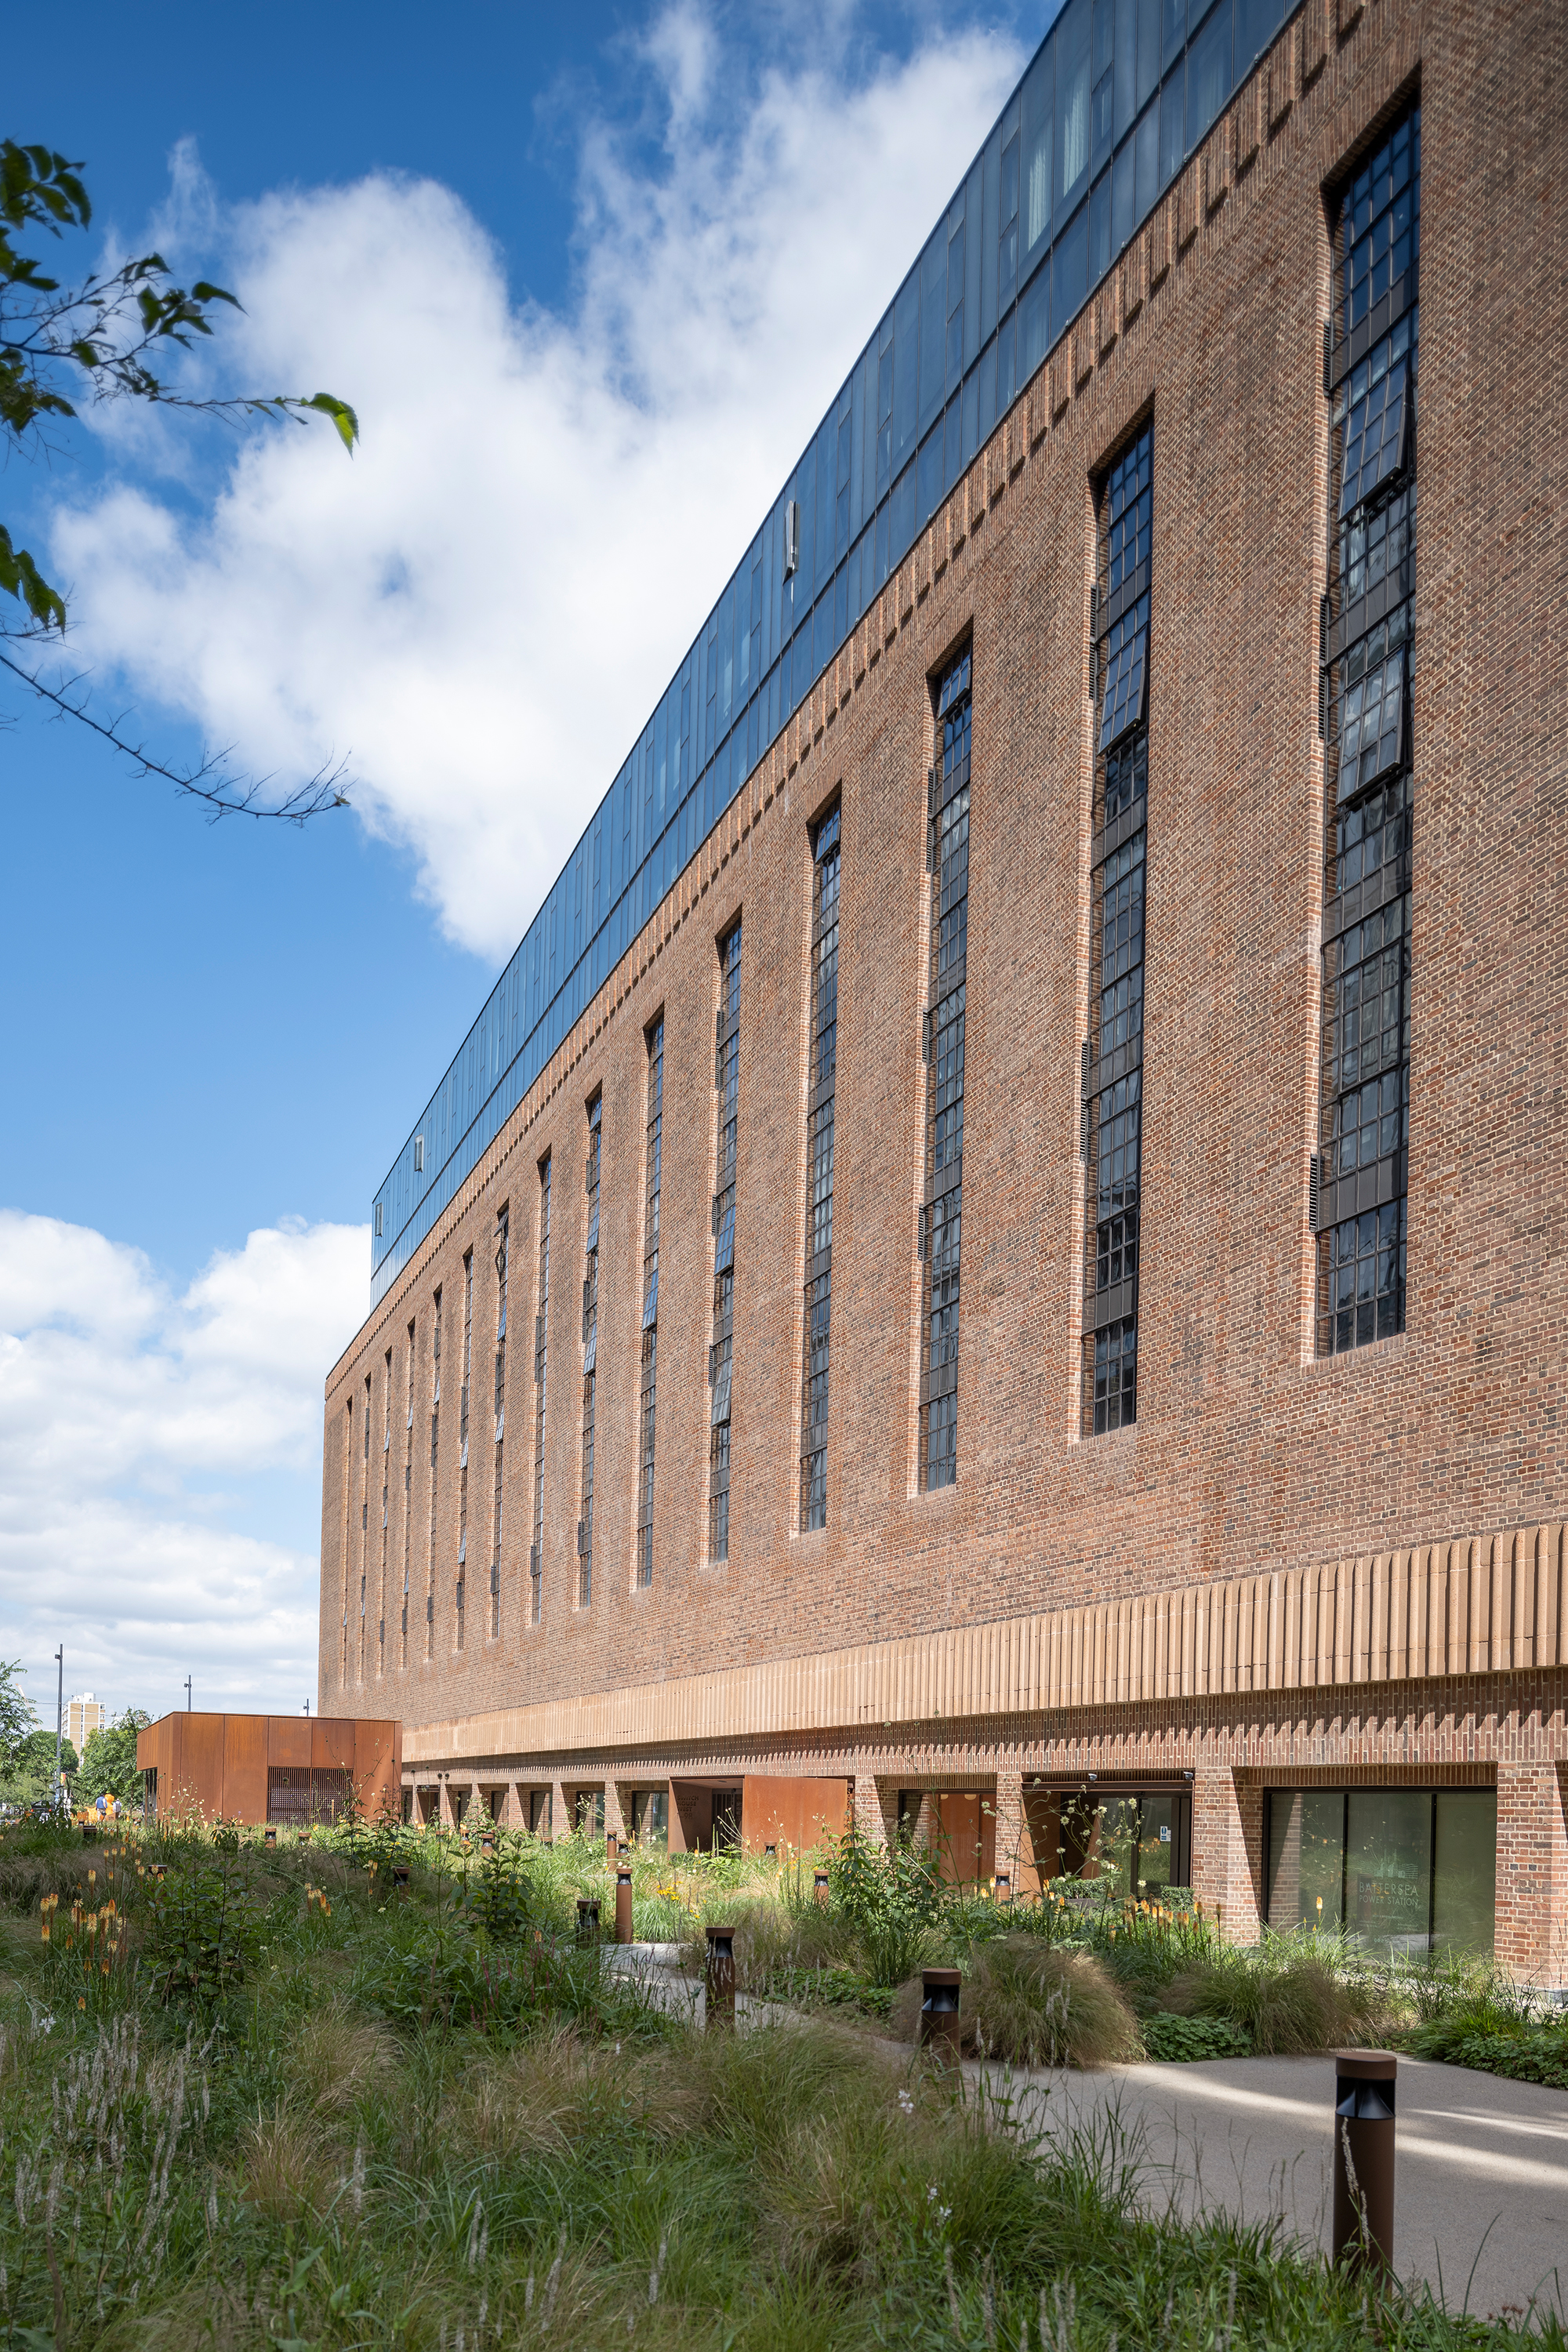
[1116, 96]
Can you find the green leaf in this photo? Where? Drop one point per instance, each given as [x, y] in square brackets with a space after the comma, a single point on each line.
[342, 415]
[202, 292]
[21, 578]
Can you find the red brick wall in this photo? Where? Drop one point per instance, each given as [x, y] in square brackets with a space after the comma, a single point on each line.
[1247, 1452]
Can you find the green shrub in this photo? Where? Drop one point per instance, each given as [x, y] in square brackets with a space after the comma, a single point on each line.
[1035, 2005]
[1284, 2000]
[1180, 2040]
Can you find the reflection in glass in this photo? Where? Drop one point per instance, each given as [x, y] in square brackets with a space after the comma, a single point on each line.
[1463, 1873]
[1388, 1867]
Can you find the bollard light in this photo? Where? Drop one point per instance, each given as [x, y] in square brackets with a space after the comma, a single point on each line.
[487, 1843]
[624, 1904]
[769, 1854]
[940, 2029]
[400, 1877]
[721, 1976]
[87, 1833]
[587, 1919]
[1004, 1886]
[611, 1845]
[304, 1837]
[822, 1889]
[1363, 2158]
[268, 1837]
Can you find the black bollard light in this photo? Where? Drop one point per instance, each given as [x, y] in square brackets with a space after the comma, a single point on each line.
[721, 1976]
[587, 1919]
[941, 2030]
[1363, 2158]
[624, 1904]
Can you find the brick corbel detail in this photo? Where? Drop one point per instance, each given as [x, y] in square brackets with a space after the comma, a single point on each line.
[1217, 165]
[1250, 109]
[1131, 276]
[1314, 39]
[1108, 314]
[1083, 350]
[1282, 79]
[1060, 375]
[1188, 200]
[1157, 245]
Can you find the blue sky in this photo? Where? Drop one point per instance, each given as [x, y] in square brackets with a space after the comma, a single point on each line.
[585, 276]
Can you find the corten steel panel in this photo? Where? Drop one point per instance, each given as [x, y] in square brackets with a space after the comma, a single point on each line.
[332, 1743]
[289, 1741]
[965, 1838]
[781, 1810]
[199, 1765]
[245, 1767]
[378, 1767]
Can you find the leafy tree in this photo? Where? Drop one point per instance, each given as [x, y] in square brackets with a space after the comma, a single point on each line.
[108, 1764]
[108, 336]
[30, 1770]
[17, 1715]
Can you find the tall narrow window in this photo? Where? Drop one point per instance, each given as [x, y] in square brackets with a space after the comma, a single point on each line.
[435, 1467]
[364, 1529]
[820, 1079]
[1113, 1050]
[648, 1401]
[348, 1540]
[590, 1355]
[1359, 1190]
[942, 1213]
[407, 1509]
[459, 1596]
[385, 1493]
[541, 1334]
[502, 1229]
[720, 1361]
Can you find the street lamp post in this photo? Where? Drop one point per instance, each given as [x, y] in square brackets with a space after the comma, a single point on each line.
[59, 1715]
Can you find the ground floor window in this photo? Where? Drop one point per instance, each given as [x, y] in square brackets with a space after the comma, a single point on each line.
[589, 1813]
[650, 1817]
[1399, 1870]
[1138, 1842]
[539, 1812]
[297, 1794]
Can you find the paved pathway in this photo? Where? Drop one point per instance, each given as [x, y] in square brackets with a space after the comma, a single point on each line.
[1480, 2176]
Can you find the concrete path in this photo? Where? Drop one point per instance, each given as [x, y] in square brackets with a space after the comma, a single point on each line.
[1480, 2180]
[1480, 2176]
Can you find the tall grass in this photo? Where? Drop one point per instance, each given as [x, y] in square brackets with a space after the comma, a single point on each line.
[399, 2124]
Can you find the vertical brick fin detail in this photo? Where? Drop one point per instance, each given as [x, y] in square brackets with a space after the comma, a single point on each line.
[1314, 39]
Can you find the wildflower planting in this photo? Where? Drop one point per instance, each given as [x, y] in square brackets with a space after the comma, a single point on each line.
[373, 2090]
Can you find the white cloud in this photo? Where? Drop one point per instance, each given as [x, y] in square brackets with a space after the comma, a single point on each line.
[139, 1428]
[480, 611]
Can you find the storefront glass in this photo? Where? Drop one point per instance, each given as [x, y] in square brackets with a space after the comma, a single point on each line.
[1400, 1869]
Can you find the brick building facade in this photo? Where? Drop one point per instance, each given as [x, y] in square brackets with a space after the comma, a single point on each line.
[952, 1343]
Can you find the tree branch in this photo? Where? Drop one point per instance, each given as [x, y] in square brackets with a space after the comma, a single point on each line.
[222, 793]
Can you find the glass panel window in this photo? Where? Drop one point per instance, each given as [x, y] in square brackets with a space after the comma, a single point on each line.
[727, 1078]
[822, 1067]
[649, 1401]
[1364, 698]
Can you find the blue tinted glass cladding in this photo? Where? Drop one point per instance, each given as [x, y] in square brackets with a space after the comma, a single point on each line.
[1014, 258]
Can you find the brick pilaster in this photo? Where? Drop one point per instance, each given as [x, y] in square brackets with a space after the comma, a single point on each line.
[1227, 1851]
[1532, 1871]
